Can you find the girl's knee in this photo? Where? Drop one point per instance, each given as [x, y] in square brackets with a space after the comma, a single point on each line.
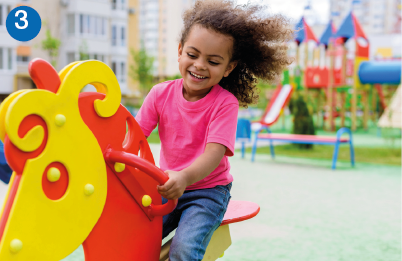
[185, 250]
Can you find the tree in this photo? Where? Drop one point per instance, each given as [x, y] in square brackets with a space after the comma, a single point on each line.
[83, 50]
[302, 121]
[141, 70]
[51, 45]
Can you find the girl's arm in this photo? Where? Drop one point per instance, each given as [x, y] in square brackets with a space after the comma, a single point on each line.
[199, 169]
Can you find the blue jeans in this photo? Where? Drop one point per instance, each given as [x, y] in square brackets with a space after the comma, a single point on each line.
[197, 215]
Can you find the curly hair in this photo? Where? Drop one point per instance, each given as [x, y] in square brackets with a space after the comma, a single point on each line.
[259, 42]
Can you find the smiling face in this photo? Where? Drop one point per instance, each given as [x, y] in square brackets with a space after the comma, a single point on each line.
[203, 61]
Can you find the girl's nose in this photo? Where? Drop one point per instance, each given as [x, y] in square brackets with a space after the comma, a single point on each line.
[199, 65]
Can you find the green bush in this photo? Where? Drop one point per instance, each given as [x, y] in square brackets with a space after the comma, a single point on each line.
[302, 119]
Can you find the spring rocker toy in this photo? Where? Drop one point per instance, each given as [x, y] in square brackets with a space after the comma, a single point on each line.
[83, 173]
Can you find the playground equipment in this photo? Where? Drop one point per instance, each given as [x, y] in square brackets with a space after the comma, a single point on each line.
[338, 64]
[372, 72]
[243, 133]
[307, 139]
[272, 112]
[79, 178]
[391, 118]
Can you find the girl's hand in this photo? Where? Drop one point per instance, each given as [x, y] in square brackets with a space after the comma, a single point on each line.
[175, 186]
[199, 169]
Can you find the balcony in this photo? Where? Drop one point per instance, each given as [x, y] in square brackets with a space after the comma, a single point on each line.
[22, 68]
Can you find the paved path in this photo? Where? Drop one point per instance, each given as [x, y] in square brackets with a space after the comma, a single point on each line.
[311, 213]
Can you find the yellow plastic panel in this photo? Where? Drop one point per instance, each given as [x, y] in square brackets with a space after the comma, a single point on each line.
[3, 110]
[220, 241]
[105, 82]
[52, 229]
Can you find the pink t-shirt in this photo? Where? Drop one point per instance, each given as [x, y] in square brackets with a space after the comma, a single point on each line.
[186, 127]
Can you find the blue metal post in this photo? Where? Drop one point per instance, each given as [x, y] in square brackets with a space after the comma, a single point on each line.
[338, 138]
[254, 145]
[271, 145]
[335, 156]
[352, 150]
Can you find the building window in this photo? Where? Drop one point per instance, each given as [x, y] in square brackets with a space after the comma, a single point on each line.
[114, 35]
[1, 15]
[99, 22]
[123, 37]
[95, 22]
[4, 11]
[71, 24]
[123, 4]
[87, 27]
[98, 57]
[1, 59]
[122, 71]
[114, 67]
[70, 58]
[114, 4]
[81, 24]
[103, 26]
[10, 58]
[22, 59]
[92, 25]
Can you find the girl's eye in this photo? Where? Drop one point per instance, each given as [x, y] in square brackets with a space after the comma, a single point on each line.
[190, 55]
[213, 63]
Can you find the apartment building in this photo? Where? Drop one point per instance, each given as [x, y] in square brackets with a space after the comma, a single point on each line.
[160, 27]
[376, 16]
[8, 52]
[87, 29]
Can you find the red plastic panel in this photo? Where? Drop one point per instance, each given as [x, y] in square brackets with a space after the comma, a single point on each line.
[44, 75]
[239, 211]
[55, 190]
[17, 158]
[123, 232]
[151, 170]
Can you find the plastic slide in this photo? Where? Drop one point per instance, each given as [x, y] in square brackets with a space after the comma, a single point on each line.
[278, 102]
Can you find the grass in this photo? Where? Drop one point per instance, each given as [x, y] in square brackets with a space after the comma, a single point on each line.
[378, 155]
[154, 137]
[387, 156]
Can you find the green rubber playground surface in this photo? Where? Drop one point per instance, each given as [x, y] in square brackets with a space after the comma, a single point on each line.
[312, 213]
[309, 212]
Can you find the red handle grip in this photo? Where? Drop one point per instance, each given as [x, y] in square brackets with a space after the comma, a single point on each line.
[149, 169]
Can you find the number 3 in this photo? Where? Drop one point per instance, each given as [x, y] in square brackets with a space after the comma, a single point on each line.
[22, 19]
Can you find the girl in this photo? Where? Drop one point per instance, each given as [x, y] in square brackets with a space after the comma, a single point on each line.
[223, 49]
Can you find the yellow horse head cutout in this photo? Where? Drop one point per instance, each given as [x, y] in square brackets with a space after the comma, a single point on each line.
[32, 210]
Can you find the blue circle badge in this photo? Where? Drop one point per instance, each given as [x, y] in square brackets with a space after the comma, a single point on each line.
[23, 23]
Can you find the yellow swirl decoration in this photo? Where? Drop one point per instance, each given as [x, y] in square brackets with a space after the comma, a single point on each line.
[3, 111]
[105, 82]
[58, 227]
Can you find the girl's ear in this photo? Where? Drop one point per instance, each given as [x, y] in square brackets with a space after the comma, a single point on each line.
[180, 51]
[230, 68]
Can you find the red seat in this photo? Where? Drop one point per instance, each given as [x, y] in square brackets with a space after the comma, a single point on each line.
[239, 211]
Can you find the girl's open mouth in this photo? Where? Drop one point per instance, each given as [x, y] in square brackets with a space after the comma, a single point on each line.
[197, 77]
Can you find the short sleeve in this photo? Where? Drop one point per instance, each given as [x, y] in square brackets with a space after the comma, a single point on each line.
[222, 128]
[147, 117]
